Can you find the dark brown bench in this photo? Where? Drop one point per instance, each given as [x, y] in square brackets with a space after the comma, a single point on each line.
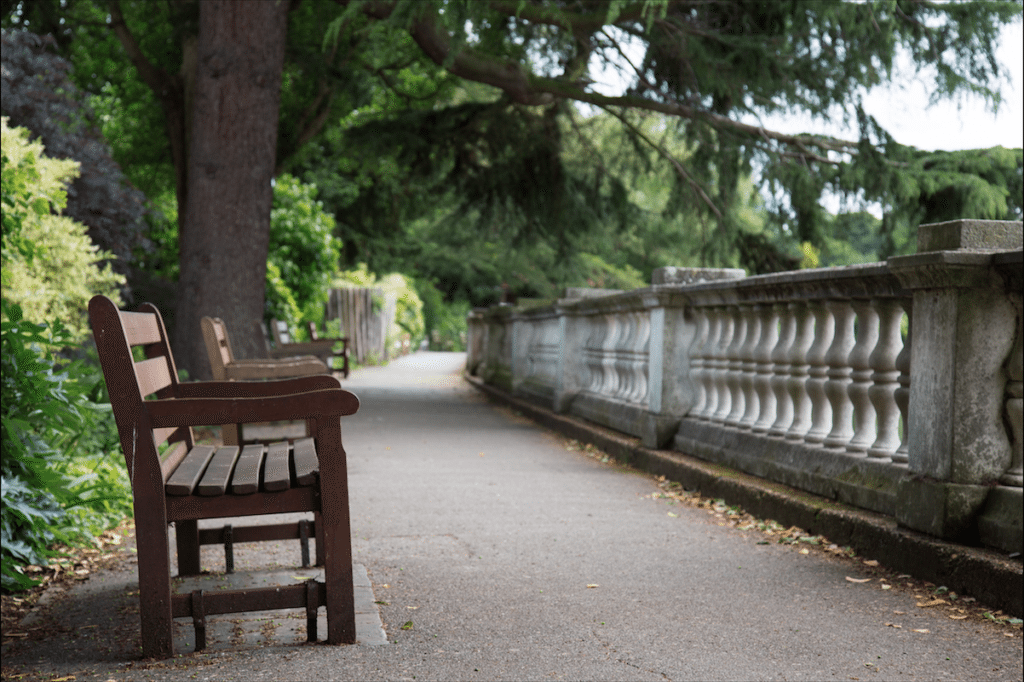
[191, 482]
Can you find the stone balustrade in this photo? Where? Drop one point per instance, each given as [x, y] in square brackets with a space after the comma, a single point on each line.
[894, 387]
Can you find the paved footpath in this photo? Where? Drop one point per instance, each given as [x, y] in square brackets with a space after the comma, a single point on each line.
[494, 552]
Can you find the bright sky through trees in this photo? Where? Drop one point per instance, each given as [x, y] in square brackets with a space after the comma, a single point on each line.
[901, 108]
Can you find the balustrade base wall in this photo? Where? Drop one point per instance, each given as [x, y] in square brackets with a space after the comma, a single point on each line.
[536, 391]
[835, 474]
[1000, 524]
[653, 430]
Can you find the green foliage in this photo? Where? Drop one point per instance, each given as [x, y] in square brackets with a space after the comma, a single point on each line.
[62, 481]
[444, 321]
[303, 254]
[62, 270]
[279, 300]
[445, 137]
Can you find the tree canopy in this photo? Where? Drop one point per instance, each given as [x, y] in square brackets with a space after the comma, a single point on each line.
[465, 142]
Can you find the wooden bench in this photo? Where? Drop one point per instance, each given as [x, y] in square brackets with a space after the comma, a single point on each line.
[191, 482]
[225, 367]
[284, 346]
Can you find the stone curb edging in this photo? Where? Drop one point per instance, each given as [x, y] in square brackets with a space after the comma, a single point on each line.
[988, 576]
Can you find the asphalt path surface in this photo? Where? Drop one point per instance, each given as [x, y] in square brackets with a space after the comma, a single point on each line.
[497, 552]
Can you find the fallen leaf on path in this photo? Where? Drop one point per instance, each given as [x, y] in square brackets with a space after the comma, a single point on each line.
[805, 551]
[858, 580]
[407, 625]
[673, 515]
[923, 631]
[592, 585]
[933, 602]
[886, 587]
[961, 617]
[412, 608]
[894, 625]
[872, 562]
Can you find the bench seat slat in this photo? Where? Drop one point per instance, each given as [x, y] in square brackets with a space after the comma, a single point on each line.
[184, 479]
[306, 463]
[218, 474]
[276, 472]
[246, 480]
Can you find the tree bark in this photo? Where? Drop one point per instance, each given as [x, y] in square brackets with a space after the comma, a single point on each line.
[223, 248]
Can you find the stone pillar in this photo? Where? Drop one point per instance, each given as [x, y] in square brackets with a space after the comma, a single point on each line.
[568, 361]
[671, 392]
[964, 325]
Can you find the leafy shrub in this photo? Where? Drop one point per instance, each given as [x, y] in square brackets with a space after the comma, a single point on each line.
[61, 478]
[61, 481]
[51, 267]
[303, 253]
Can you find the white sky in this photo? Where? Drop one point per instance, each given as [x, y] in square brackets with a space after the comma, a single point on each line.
[901, 108]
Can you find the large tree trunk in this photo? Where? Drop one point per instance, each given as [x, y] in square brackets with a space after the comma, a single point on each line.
[231, 163]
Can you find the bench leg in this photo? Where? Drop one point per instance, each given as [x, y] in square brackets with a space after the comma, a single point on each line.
[341, 616]
[186, 535]
[154, 582]
[337, 536]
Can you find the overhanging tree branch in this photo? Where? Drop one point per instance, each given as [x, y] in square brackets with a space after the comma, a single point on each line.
[529, 89]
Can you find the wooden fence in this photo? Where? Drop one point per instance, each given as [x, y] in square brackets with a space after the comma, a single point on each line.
[366, 314]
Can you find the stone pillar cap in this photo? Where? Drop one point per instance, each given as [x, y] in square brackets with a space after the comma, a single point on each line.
[979, 235]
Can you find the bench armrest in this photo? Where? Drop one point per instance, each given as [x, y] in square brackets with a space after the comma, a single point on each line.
[251, 389]
[240, 410]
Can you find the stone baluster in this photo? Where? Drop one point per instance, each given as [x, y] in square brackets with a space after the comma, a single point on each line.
[735, 366]
[748, 370]
[698, 348]
[609, 367]
[716, 322]
[839, 371]
[619, 355]
[864, 413]
[821, 410]
[595, 355]
[799, 368]
[781, 370]
[636, 387]
[902, 394]
[640, 350]
[766, 397]
[1014, 475]
[885, 378]
[720, 363]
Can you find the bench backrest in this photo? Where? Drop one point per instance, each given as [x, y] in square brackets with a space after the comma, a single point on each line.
[218, 346]
[282, 335]
[131, 381]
